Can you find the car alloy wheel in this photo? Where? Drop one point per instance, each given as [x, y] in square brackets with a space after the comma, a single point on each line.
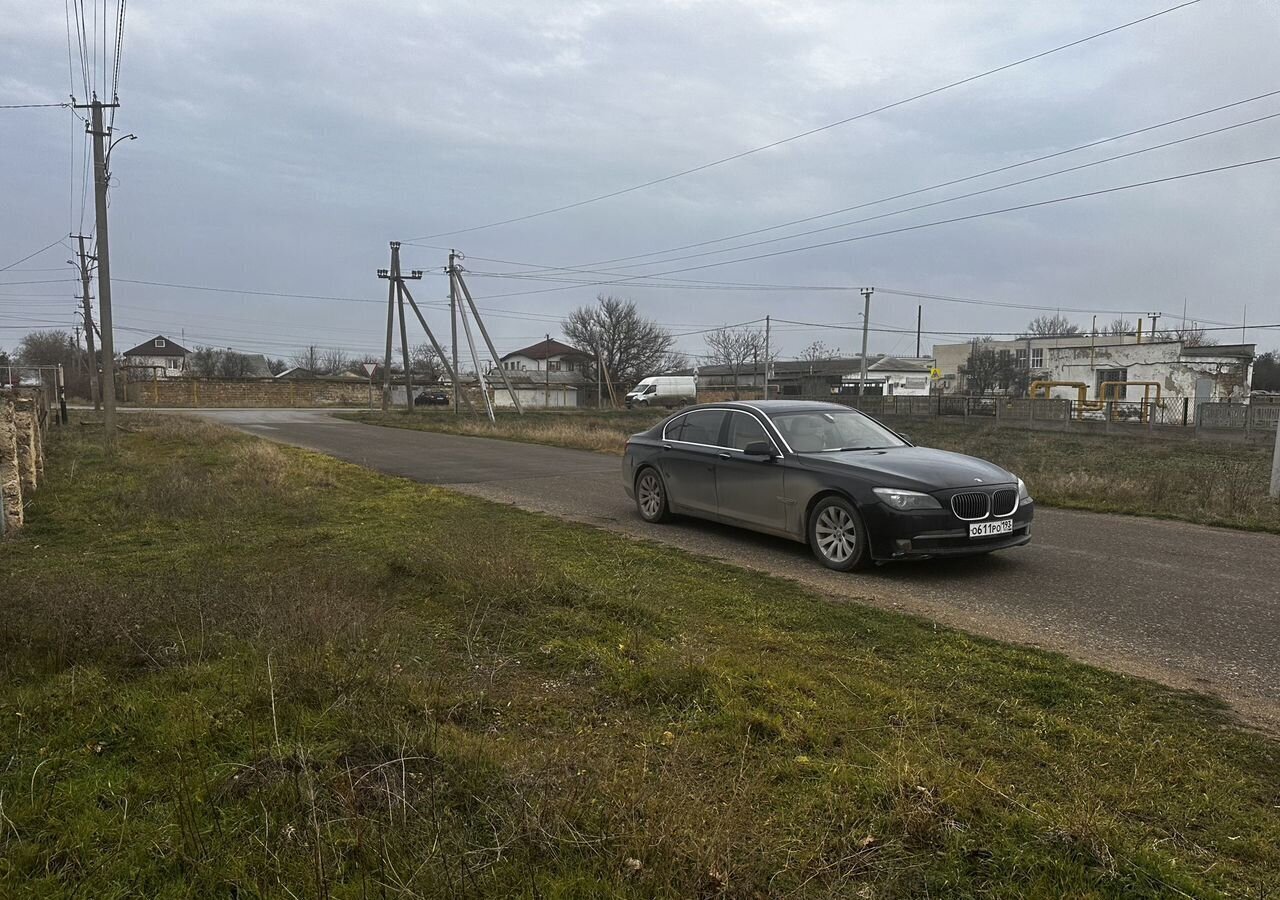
[837, 536]
[651, 496]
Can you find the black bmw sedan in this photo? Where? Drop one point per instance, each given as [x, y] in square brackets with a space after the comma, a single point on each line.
[826, 475]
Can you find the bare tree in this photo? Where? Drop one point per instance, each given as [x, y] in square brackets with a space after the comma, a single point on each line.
[233, 365]
[818, 351]
[332, 361]
[46, 348]
[1051, 326]
[629, 345]
[988, 369]
[205, 361]
[276, 366]
[740, 350]
[1192, 335]
[1119, 327]
[674, 361]
[307, 358]
[424, 361]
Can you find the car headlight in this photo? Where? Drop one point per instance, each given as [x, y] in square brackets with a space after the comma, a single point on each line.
[1024, 496]
[900, 499]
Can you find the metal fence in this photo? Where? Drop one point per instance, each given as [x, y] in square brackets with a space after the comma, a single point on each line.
[1173, 417]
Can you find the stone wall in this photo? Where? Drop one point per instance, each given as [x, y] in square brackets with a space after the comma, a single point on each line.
[251, 392]
[21, 454]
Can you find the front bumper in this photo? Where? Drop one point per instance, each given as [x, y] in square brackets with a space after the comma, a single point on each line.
[936, 533]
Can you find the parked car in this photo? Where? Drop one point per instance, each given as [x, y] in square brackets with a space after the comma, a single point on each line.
[432, 398]
[663, 390]
[827, 475]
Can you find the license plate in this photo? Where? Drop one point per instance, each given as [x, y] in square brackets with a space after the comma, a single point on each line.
[990, 529]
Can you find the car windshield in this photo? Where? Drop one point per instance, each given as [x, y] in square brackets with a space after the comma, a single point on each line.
[829, 430]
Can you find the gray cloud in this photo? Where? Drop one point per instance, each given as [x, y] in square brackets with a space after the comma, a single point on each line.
[283, 145]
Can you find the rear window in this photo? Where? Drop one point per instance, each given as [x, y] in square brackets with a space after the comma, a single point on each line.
[701, 427]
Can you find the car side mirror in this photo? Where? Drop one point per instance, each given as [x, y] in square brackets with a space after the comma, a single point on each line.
[759, 448]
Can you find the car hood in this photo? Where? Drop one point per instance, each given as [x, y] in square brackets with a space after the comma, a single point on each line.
[913, 468]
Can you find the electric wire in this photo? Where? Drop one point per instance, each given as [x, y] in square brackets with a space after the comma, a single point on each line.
[795, 137]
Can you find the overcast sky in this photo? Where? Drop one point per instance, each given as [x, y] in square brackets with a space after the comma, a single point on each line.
[281, 146]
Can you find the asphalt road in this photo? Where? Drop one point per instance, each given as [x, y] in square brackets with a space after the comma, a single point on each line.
[1189, 606]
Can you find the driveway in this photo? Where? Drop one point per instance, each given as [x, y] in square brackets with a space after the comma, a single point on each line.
[1189, 606]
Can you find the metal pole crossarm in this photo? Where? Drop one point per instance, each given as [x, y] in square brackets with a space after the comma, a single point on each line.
[489, 343]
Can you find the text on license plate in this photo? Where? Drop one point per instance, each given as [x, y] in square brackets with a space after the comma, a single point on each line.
[989, 529]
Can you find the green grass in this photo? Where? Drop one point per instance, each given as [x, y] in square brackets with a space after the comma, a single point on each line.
[232, 669]
[1207, 482]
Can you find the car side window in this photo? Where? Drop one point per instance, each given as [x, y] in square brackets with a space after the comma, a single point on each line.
[745, 429]
[674, 428]
[700, 427]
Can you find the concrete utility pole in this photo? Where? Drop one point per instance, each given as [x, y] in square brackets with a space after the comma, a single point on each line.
[546, 368]
[866, 324]
[100, 133]
[919, 317]
[395, 299]
[391, 324]
[453, 327]
[1275, 466]
[484, 332]
[766, 357]
[88, 325]
[444, 360]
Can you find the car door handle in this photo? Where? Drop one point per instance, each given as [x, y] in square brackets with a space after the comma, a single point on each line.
[726, 456]
[666, 446]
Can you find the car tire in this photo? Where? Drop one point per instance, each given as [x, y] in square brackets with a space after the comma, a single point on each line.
[651, 496]
[643, 403]
[837, 535]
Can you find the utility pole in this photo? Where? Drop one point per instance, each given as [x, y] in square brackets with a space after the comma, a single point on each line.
[484, 332]
[396, 291]
[1155, 317]
[1275, 467]
[88, 325]
[546, 367]
[866, 323]
[99, 133]
[919, 317]
[453, 327]
[391, 324]
[766, 357]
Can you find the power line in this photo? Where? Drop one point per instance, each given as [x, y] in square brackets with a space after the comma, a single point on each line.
[932, 187]
[34, 105]
[813, 131]
[946, 200]
[917, 227]
[31, 255]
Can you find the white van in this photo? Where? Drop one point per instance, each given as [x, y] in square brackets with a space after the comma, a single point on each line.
[663, 390]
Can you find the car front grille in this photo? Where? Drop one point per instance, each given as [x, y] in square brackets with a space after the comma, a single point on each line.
[1004, 502]
[971, 505]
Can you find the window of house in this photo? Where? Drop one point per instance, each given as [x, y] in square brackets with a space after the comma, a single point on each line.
[1105, 375]
[1021, 356]
[1037, 357]
[553, 365]
[159, 344]
[568, 367]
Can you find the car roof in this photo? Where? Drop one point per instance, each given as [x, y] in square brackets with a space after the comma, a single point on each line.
[771, 407]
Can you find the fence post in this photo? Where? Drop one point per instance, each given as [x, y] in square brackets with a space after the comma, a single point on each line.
[1186, 406]
[1151, 417]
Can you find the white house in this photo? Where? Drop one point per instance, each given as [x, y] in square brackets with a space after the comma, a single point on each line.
[1200, 373]
[548, 373]
[157, 358]
[892, 377]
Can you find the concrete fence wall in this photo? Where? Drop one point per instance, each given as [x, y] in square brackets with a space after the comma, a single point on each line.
[250, 392]
[23, 415]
